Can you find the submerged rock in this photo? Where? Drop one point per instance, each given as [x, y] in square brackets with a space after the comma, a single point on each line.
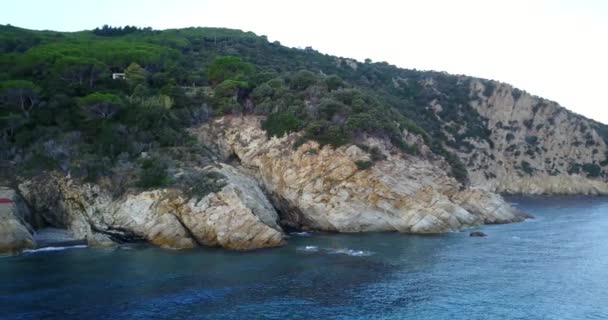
[98, 240]
[237, 217]
[323, 188]
[477, 234]
[15, 232]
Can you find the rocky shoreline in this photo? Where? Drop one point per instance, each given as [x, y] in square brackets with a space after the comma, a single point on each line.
[269, 187]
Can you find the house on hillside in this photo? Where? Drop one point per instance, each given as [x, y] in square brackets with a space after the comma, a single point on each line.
[118, 76]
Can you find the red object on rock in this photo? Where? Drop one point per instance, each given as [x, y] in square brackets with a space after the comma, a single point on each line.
[5, 200]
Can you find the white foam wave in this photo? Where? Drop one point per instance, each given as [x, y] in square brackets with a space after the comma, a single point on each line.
[46, 249]
[308, 248]
[351, 252]
[303, 234]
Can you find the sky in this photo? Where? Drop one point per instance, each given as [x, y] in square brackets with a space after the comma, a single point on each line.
[556, 49]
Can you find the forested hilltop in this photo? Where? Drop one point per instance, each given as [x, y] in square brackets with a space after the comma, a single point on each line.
[113, 106]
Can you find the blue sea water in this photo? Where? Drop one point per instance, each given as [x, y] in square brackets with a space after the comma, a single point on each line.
[552, 267]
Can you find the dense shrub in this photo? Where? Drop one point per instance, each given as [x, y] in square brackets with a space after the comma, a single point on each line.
[278, 124]
[153, 173]
[532, 140]
[333, 82]
[527, 168]
[198, 184]
[489, 89]
[592, 170]
[363, 165]
[376, 154]
[228, 67]
[302, 80]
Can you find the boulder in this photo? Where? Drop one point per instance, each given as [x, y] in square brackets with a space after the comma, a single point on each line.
[237, 217]
[98, 240]
[477, 234]
[15, 232]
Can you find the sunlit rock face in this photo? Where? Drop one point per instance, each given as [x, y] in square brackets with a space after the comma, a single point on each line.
[324, 189]
[237, 217]
[538, 147]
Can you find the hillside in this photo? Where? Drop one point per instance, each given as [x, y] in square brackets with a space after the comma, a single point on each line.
[217, 137]
[63, 111]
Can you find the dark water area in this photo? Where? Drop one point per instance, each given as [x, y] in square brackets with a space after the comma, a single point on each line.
[552, 267]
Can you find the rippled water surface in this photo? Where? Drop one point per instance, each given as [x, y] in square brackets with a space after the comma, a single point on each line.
[553, 267]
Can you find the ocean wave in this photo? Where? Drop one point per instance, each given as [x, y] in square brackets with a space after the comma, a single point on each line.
[303, 234]
[351, 252]
[348, 252]
[308, 248]
[46, 249]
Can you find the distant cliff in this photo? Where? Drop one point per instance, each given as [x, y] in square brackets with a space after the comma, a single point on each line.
[537, 145]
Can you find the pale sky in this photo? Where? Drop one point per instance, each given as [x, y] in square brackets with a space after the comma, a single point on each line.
[557, 49]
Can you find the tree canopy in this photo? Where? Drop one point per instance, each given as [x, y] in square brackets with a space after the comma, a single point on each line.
[60, 108]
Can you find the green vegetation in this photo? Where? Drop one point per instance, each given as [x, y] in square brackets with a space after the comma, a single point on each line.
[363, 165]
[527, 168]
[592, 170]
[532, 140]
[228, 67]
[61, 109]
[278, 124]
[198, 184]
[153, 174]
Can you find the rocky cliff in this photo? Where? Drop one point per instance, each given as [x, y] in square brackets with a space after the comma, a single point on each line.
[414, 151]
[534, 146]
[539, 146]
[324, 188]
[237, 217]
[372, 186]
[15, 232]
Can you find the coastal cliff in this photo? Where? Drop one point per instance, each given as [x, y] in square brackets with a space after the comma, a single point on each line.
[238, 216]
[345, 189]
[218, 137]
[538, 147]
[322, 188]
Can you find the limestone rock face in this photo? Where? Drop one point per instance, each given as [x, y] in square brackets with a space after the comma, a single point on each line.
[491, 206]
[539, 146]
[323, 189]
[235, 217]
[15, 232]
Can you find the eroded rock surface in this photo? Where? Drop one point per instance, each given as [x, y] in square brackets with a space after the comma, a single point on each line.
[237, 217]
[538, 146]
[15, 232]
[323, 188]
